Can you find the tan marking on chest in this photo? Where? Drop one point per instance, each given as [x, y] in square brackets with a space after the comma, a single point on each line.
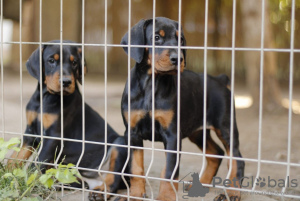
[30, 116]
[48, 119]
[164, 117]
[135, 116]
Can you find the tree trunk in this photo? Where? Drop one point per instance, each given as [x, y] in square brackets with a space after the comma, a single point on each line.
[216, 35]
[27, 36]
[252, 15]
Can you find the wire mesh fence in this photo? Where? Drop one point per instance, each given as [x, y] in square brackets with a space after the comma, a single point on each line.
[269, 173]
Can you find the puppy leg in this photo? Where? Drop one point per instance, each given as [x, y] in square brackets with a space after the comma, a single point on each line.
[238, 166]
[111, 181]
[211, 148]
[137, 184]
[23, 154]
[48, 152]
[166, 191]
[28, 143]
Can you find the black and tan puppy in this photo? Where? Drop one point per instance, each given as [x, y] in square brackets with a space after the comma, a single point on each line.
[71, 59]
[191, 107]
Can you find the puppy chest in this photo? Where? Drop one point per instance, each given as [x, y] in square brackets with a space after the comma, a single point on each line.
[144, 117]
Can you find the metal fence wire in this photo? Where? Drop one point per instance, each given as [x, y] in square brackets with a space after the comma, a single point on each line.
[151, 177]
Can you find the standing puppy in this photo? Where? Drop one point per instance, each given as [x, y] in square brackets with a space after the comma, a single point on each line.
[70, 59]
[191, 107]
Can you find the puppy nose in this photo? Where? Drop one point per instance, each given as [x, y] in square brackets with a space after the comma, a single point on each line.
[66, 82]
[174, 58]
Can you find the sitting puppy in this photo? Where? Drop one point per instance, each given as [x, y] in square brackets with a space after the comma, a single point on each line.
[167, 60]
[72, 119]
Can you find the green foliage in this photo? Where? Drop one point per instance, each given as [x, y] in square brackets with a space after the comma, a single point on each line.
[5, 146]
[27, 183]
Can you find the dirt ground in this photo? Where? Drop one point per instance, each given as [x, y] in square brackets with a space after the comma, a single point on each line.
[274, 134]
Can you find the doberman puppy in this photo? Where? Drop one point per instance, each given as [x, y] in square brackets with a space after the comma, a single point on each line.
[191, 107]
[72, 119]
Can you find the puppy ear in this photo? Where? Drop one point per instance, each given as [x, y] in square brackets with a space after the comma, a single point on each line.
[183, 40]
[137, 38]
[184, 50]
[79, 70]
[33, 63]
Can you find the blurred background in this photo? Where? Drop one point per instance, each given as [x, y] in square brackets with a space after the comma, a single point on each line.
[276, 128]
[277, 34]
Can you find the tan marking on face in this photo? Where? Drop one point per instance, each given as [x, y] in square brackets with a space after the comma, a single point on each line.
[56, 57]
[48, 119]
[137, 187]
[182, 66]
[79, 50]
[23, 154]
[149, 61]
[71, 88]
[163, 63]
[71, 58]
[162, 33]
[135, 116]
[52, 82]
[164, 117]
[177, 33]
[30, 116]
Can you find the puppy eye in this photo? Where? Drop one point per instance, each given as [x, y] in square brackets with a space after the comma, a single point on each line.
[74, 63]
[51, 61]
[182, 40]
[157, 37]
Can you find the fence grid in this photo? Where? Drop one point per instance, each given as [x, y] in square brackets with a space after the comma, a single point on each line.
[233, 49]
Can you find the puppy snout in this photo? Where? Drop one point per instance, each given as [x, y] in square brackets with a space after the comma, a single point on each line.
[66, 81]
[174, 58]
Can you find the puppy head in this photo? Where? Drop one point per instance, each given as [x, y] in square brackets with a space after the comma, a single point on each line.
[71, 59]
[165, 34]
